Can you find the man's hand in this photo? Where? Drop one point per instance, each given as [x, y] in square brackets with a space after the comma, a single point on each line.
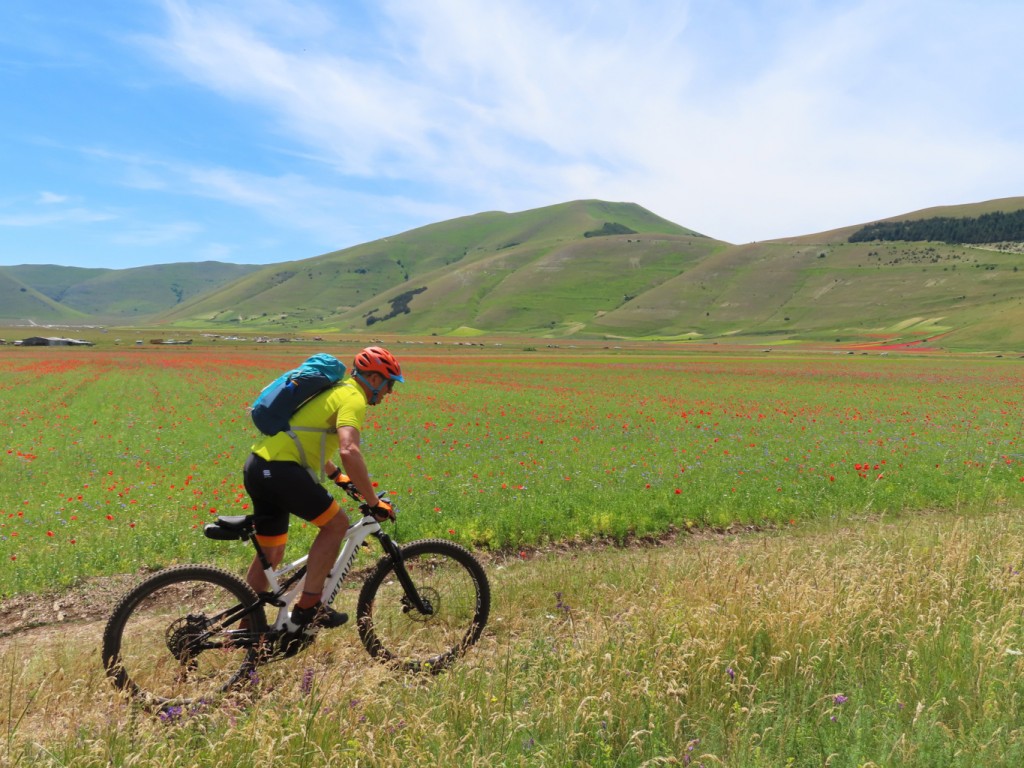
[382, 511]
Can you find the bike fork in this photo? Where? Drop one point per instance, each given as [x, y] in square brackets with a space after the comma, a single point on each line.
[411, 593]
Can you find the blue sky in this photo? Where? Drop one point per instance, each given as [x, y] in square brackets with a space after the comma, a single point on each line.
[261, 131]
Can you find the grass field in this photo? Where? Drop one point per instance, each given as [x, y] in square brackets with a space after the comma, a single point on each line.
[113, 459]
[869, 615]
[865, 644]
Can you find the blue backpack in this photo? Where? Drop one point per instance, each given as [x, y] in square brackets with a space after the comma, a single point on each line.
[273, 408]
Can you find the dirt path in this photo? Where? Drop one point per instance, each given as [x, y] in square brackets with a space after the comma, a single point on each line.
[88, 602]
[93, 600]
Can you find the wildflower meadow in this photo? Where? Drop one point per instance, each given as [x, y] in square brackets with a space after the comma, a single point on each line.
[697, 558]
[113, 460]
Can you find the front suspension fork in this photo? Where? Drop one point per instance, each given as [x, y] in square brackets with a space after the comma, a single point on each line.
[411, 593]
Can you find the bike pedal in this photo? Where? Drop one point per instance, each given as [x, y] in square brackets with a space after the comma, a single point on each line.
[272, 599]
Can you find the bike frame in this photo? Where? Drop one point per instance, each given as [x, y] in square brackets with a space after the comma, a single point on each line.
[287, 580]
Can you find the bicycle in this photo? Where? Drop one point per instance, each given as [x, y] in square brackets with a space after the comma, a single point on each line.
[190, 633]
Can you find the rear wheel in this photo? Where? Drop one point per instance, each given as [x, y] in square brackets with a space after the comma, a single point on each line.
[177, 639]
[454, 588]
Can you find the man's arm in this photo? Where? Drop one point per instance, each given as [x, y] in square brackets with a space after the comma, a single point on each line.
[353, 464]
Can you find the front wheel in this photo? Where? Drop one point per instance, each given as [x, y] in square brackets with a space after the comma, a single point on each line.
[183, 636]
[453, 587]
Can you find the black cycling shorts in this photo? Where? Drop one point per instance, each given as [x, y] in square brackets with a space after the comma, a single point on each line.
[282, 488]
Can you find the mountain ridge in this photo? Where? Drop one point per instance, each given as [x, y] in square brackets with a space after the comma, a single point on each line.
[586, 268]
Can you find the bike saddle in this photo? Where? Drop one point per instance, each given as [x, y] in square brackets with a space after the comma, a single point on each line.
[230, 528]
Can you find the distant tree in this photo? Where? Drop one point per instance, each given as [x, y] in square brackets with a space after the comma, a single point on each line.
[996, 227]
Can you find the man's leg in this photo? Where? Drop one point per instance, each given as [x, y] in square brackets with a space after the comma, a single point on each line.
[322, 554]
[256, 578]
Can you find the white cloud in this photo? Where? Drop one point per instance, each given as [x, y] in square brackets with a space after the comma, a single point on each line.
[746, 121]
[54, 218]
[51, 198]
[354, 112]
[329, 216]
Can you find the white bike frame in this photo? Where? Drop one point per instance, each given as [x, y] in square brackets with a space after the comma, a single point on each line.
[355, 536]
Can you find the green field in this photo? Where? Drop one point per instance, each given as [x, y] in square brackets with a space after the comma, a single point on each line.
[113, 459]
[867, 613]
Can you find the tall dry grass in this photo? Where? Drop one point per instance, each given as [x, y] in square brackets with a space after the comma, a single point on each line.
[888, 643]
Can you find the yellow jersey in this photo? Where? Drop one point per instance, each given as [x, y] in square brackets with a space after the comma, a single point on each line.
[315, 426]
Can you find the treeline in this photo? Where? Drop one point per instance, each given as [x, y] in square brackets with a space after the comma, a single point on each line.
[995, 227]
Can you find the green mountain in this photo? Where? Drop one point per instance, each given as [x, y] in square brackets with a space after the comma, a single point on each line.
[549, 268]
[114, 295]
[21, 301]
[824, 287]
[585, 269]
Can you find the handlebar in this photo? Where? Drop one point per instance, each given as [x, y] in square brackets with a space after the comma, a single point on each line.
[345, 483]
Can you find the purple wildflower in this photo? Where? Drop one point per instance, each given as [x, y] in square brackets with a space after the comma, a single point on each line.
[307, 681]
[559, 605]
[170, 714]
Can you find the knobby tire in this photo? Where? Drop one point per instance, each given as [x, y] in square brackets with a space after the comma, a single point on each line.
[452, 580]
[164, 645]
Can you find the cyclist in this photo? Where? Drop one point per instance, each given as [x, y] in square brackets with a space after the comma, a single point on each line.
[279, 484]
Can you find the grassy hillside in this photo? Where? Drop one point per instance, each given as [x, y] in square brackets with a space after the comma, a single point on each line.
[498, 271]
[970, 295]
[111, 295]
[839, 291]
[556, 288]
[22, 304]
[556, 272]
[973, 210]
[534, 272]
[52, 280]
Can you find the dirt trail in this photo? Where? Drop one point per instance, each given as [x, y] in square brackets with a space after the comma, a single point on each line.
[54, 612]
[93, 600]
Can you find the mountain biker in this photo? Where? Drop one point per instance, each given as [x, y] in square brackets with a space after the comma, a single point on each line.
[279, 485]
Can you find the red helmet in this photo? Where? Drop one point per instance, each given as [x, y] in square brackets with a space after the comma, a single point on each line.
[378, 360]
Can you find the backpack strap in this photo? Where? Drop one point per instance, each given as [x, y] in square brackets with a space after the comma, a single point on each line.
[318, 474]
[319, 477]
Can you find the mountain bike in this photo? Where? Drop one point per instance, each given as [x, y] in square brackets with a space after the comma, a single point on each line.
[190, 633]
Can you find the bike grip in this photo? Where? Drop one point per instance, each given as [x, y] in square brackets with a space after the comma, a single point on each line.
[384, 510]
[346, 484]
